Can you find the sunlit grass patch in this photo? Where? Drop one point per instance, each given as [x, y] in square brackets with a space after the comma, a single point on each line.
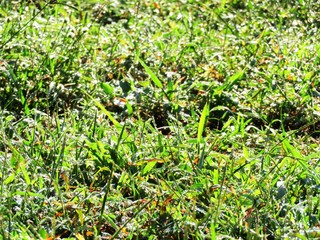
[159, 120]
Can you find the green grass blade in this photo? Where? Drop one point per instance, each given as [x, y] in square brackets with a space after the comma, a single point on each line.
[129, 108]
[106, 193]
[154, 78]
[25, 174]
[213, 231]
[9, 179]
[107, 89]
[290, 149]
[148, 167]
[235, 77]
[105, 111]
[203, 121]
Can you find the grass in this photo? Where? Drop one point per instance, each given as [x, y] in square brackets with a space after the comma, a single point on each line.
[159, 120]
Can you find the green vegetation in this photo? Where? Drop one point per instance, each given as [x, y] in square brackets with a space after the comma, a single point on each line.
[160, 119]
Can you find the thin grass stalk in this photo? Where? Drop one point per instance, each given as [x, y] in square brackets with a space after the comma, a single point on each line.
[106, 193]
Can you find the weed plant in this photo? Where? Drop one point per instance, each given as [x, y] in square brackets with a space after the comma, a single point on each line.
[159, 119]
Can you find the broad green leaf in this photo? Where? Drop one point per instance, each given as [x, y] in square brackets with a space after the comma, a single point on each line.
[3, 13]
[227, 124]
[107, 88]
[246, 153]
[215, 176]
[290, 149]
[309, 75]
[129, 108]
[25, 174]
[81, 216]
[213, 231]
[79, 236]
[9, 179]
[154, 78]
[203, 121]
[223, 3]
[43, 233]
[31, 194]
[234, 78]
[9, 118]
[148, 167]
[170, 85]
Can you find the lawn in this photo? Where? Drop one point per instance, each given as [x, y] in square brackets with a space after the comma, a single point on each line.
[160, 119]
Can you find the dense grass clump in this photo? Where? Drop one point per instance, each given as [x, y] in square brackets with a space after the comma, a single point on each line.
[159, 119]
